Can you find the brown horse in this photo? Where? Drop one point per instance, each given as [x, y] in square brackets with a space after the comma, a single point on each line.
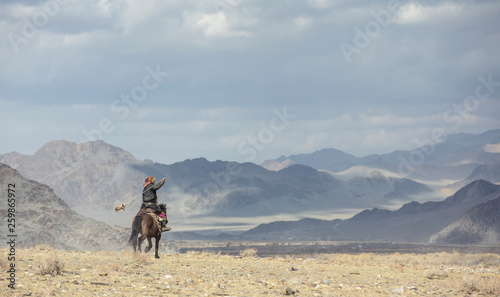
[146, 226]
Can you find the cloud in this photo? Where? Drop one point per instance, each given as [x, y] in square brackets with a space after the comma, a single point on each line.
[302, 22]
[231, 62]
[416, 13]
[320, 4]
[215, 25]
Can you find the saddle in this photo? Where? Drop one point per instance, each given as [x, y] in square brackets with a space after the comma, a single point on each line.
[152, 213]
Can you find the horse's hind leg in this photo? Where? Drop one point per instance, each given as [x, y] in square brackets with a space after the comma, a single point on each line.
[150, 245]
[139, 242]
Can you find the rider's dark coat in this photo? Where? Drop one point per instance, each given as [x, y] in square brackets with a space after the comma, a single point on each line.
[149, 193]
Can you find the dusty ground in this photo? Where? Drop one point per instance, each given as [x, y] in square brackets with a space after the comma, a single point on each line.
[42, 271]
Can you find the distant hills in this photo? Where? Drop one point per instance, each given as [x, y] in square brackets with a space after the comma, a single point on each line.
[339, 196]
[480, 224]
[454, 158]
[330, 159]
[469, 216]
[94, 177]
[43, 218]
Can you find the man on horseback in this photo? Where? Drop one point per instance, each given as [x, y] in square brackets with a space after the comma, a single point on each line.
[150, 200]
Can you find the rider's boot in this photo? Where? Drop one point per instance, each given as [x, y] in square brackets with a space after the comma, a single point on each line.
[164, 227]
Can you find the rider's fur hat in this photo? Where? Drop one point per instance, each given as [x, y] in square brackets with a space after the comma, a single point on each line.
[149, 180]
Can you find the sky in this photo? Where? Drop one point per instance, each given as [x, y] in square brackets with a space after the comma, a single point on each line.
[246, 80]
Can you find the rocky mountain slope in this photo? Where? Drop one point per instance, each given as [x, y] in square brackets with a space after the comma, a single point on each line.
[43, 218]
[413, 222]
[481, 224]
[92, 174]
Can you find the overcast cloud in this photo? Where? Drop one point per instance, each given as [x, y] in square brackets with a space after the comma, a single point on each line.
[246, 80]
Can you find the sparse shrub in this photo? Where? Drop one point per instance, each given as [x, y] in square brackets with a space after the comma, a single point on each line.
[490, 286]
[436, 274]
[49, 264]
[248, 253]
[490, 265]
[365, 258]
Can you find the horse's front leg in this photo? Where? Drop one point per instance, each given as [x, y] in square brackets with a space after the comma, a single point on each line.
[157, 243]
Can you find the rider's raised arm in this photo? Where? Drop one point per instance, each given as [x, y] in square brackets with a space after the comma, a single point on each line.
[158, 185]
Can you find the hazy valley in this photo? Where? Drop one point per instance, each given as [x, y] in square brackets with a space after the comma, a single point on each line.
[326, 195]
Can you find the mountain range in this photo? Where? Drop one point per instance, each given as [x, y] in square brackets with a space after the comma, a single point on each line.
[371, 198]
[94, 177]
[455, 158]
[469, 216]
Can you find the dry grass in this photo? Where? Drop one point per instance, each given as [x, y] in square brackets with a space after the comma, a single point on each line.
[436, 273]
[49, 264]
[42, 247]
[4, 264]
[48, 272]
[475, 283]
[248, 253]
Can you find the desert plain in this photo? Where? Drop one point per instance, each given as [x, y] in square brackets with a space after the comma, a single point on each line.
[44, 271]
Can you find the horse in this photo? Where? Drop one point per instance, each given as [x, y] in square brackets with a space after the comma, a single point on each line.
[146, 226]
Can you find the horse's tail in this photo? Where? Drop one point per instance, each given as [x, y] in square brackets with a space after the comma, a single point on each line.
[136, 227]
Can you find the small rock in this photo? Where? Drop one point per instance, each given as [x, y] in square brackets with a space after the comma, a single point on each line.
[399, 290]
[289, 291]
[294, 269]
